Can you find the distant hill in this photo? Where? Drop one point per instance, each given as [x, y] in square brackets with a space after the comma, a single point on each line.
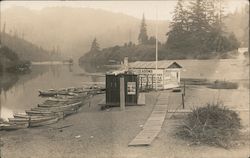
[73, 29]
[27, 50]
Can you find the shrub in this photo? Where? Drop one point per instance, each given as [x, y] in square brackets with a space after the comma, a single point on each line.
[212, 125]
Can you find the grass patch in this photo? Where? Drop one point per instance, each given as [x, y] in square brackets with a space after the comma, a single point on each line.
[213, 125]
[223, 85]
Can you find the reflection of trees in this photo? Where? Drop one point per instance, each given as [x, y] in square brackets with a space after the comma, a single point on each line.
[88, 67]
[8, 80]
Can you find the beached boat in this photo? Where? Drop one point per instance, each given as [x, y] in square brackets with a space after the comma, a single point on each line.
[43, 122]
[20, 115]
[60, 104]
[30, 118]
[15, 120]
[13, 126]
[48, 93]
[56, 100]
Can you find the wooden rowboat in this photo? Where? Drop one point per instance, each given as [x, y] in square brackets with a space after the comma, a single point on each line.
[19, 120]
[60, 105]
[31, 119]
[43, 113]
[44, 122]
[13, 126]
[47, 93]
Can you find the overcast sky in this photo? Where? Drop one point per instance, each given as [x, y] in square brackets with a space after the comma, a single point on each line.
[133, 8]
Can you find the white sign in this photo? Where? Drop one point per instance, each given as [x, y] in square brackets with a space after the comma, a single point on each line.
[131, 88]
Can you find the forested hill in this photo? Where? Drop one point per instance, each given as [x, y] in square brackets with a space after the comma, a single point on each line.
[197, 31]
[27, 50]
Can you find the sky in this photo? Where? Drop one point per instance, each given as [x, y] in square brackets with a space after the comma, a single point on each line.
[161, 10]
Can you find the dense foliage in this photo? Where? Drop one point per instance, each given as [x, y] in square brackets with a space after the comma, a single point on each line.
[197, 31]
[10, 62]
[197, 27]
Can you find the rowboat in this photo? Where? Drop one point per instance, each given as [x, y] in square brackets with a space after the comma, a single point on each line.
[13, 126]
[35, 112]
[38, 113]
[43, 122]
[19, 120]
[57, 100]
[59, 104]
[47, 93]
[30, 118]
[20, 115]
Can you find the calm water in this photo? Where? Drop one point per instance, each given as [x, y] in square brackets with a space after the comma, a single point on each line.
[20, 92]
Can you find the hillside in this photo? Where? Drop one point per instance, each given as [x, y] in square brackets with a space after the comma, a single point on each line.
[73, 28]
[10, 62]
[26, 50]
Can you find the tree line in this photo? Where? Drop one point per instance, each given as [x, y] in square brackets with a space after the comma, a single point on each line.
[197, 30]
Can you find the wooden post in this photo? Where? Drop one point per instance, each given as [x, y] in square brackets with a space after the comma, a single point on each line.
[184, 89]
[183, 102]
[141, 82]
[122, 93]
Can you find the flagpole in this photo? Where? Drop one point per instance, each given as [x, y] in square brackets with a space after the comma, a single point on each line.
[156, 50]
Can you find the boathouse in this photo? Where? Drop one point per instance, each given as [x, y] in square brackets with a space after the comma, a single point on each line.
[168, 74]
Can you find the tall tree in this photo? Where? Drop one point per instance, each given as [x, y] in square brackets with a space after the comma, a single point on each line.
[94, 46]
[179, 26]
[143, 37]
[180, 19]
[198, 28]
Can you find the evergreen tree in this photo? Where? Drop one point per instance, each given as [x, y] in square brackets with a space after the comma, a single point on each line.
[94, 46]
[179, 26]
[199, 29]
[143, 37]
[180, 19]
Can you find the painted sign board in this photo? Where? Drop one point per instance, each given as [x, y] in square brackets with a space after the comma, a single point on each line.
[131, 88]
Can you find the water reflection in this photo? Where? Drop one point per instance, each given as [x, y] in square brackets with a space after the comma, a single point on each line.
[21, 91]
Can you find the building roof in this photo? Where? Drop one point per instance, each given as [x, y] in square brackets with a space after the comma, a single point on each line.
[165, 64]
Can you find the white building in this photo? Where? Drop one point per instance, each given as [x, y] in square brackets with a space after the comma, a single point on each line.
[168, 72]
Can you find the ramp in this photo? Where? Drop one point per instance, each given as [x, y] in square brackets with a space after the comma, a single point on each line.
[152, 126]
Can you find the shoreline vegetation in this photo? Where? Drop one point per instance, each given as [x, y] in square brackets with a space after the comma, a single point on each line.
[11, 63]
[197, 31]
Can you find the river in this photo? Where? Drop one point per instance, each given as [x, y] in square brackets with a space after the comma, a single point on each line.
[20, 92]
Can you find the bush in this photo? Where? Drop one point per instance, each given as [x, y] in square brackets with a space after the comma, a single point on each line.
[212, 125]
[223, 85]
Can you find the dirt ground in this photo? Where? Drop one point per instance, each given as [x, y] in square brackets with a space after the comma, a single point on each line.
[106, 134]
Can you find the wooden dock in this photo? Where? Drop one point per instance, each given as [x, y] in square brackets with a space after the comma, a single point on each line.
[153, 125]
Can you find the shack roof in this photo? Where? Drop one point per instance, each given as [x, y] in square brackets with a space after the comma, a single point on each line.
[166, 64]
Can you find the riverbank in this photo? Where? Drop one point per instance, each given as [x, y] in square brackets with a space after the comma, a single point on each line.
[94, 133]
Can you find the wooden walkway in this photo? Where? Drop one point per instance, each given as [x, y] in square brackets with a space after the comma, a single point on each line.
[153, 125]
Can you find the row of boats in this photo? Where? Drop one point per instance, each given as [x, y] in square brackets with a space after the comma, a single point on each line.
[59, 105]
[72, 91]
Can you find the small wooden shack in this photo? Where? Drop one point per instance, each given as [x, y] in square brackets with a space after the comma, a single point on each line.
[113, 88]
[168, 74]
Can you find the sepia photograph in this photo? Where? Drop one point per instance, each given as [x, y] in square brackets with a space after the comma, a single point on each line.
[124, 79]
